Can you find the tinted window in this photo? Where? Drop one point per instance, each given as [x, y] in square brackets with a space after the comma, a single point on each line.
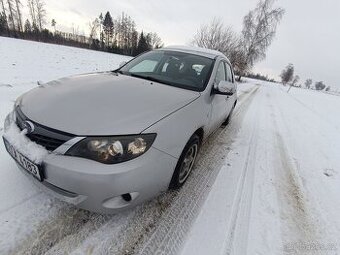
[171, 67]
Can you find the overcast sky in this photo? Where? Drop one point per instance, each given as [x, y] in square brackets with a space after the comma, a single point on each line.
[308, 35]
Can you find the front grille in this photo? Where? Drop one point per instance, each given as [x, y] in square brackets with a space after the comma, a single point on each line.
[49, 143]
[42, 135]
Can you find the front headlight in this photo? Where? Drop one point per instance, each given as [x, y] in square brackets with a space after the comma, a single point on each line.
[112, 150]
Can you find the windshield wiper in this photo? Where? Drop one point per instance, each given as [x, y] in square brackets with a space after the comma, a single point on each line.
[117, 71]
[149, 78]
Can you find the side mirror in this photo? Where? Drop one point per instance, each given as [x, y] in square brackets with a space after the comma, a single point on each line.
[122, 63]
[225, 88]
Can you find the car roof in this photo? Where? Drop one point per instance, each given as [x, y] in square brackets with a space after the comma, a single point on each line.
[196, 50]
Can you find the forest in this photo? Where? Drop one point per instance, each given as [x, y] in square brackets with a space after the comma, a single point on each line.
[106, 33]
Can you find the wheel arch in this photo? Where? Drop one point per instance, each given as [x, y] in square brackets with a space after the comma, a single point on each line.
[200, 133]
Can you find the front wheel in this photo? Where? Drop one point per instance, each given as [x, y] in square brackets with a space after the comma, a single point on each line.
[185, 163]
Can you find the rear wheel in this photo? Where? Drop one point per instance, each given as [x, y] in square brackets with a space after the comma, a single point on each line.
[185, 163]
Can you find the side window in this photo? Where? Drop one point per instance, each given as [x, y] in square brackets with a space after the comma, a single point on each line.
[220, 75]
[229, 73]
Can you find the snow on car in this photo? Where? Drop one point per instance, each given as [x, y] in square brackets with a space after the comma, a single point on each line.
[116, 139]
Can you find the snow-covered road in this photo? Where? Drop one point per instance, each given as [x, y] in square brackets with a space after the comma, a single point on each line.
[267, 184]
[277, 192]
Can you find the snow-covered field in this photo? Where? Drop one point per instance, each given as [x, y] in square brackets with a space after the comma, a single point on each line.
[268, 183]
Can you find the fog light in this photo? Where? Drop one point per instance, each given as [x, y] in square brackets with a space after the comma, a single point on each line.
[120, 201]
[127, 197]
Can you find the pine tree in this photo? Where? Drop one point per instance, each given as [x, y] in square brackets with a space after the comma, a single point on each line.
[108, 29]
[27, 26]
[53, 24]
[142, 44]
[3, 23]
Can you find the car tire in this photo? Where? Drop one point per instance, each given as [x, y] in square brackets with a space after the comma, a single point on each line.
[185, 163]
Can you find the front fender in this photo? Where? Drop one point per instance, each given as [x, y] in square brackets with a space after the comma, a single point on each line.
[174, 131]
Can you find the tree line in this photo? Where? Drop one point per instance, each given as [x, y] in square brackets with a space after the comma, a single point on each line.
[116, 35]
[120, 35]
[246, 48]
[288, 77]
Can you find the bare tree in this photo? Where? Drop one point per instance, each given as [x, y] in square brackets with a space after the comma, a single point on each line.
[216, 36]
[308, 83]
[101, 33]
[19, 16]
[295, 80]
[12, 14]
[3, 7]
[94, 26]
[154, 40]
[287, 74]
[32, 11]
[259, 29]
[40, 13]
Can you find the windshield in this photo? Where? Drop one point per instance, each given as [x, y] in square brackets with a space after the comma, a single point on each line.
[173, 68]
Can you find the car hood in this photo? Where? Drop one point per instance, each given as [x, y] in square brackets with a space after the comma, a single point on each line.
[102, 104]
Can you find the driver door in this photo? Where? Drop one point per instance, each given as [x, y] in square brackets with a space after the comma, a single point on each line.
[219, 103]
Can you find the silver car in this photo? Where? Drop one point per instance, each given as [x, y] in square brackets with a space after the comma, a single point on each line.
[108, 141]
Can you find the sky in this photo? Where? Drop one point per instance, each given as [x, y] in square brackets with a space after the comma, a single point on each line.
[308, 35]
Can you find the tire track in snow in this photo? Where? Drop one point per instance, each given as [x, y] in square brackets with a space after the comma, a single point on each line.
[169, 235]
[300, 226]
[68, 221]
[237, 233]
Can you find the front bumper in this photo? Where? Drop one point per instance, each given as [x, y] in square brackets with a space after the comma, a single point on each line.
[98, 187]
[95, 186]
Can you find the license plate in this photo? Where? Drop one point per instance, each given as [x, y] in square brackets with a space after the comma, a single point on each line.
[23, 161]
